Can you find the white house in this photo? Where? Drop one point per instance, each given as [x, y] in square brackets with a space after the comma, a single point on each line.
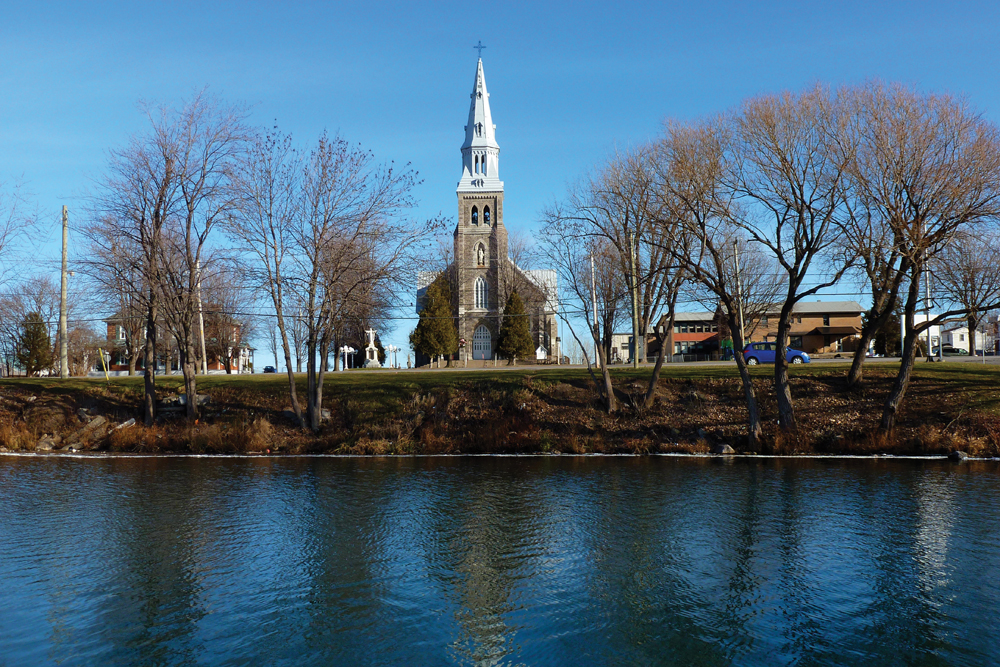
[958, 337]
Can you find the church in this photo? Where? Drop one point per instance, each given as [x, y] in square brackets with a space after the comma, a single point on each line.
[482, 272]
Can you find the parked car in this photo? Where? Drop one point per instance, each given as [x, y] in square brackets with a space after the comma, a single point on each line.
[763, 353]
[270, 369]
[949, 351]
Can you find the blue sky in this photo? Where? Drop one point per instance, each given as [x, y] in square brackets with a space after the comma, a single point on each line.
[568, 81]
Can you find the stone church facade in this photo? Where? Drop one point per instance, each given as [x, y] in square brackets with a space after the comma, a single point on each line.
[482, 272]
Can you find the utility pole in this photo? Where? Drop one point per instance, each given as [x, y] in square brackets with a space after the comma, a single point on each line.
[201, 322]
[635, 304]
[593, 296]
[927, 311]
[63, 332]
[739, 290]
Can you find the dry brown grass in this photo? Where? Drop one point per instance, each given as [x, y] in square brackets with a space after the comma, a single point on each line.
[16, 436]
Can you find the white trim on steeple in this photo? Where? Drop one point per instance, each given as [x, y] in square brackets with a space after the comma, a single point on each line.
[480, 152]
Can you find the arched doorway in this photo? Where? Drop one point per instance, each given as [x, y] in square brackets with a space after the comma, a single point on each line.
[482, 344]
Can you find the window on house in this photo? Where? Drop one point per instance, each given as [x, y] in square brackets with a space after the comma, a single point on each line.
[826, 320]
[684, 328]
[763, 321]
[677, 328]
[715, 328]
[961, 337]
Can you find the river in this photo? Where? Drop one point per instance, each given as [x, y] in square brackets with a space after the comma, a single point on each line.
[498, 561]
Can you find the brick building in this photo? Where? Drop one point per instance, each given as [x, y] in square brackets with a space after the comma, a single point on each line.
[817, 327]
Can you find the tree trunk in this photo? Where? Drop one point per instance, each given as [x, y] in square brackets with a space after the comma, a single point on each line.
[973, 323]
[312, 411]
[609, 392]
[754, 429]
[782, 392]
[189, 370]
[324, 350]
[132, 361]
[877, 318]
[292, 390]
[890, 410]
[654, 379]
[149, 373]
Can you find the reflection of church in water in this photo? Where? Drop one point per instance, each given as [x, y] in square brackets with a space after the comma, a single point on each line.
[482, 272]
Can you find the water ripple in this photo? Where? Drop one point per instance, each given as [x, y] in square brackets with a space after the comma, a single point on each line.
[498, 561]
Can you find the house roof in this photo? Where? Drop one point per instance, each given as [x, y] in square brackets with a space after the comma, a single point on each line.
[822, 307]
[828, 331]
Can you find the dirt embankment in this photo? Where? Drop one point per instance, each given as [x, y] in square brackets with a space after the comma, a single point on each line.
[507, 413]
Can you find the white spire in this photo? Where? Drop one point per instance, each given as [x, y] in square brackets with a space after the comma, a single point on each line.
[480, 152]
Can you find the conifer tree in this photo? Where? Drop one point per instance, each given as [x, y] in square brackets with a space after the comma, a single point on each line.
[34, 348]
[515, 337]
[435, 333]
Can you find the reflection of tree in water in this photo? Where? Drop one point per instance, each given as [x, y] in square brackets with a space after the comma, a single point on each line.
[151, 613]
[638, 525]
[901, 619]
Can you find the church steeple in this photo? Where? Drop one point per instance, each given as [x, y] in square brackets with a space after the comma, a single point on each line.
[480, 151]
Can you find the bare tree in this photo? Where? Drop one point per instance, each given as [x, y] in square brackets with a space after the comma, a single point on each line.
[113, 263]
[324, 228]
[204, 141]
[968, 273]
[166, 191]
[266, 191]
[789, 168]
[929, 168]
[35, 296]
[616, 213]
[576, 258]
[84, 348]
[696, 195]
[229, 318]
[16, 224]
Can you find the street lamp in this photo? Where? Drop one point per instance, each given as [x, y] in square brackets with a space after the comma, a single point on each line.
[345, 350]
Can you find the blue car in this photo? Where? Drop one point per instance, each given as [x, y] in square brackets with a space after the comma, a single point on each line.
[763, 353]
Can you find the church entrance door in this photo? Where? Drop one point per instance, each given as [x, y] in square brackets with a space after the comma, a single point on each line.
[482, 346]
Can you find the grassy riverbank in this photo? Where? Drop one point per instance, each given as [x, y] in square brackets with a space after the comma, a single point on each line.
[949, 406]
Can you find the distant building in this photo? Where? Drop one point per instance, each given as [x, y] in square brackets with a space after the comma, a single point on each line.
[238, 353]
[958, 337]
[816, 327]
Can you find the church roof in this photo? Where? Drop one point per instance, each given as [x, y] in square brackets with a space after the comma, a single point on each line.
[480, 132]
[480, 151]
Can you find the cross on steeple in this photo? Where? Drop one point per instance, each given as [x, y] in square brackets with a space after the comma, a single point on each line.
[480, 47]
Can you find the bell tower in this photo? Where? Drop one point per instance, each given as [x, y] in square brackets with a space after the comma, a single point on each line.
[480, 236]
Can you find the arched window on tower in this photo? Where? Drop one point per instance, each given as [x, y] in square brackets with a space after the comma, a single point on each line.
[482, 293]
[486, 214]
[475, 215]
[484, 165]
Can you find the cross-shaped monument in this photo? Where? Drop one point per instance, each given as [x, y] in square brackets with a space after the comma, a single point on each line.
[371, 351]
